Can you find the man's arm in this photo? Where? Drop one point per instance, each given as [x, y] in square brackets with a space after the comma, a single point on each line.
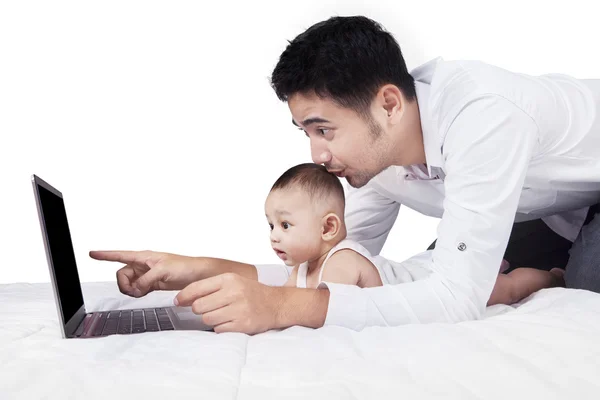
[268, 274]
[488, 147]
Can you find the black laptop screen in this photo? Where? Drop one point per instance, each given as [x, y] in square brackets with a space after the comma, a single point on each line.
[62, 253]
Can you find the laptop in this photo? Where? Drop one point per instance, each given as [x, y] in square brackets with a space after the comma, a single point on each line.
[75, 322]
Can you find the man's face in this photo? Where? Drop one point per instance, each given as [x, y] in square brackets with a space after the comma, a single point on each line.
[348, 145]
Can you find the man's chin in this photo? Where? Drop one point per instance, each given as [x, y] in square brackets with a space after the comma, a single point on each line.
[357, 182]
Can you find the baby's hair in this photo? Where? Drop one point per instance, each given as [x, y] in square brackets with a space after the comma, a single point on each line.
[314, 179]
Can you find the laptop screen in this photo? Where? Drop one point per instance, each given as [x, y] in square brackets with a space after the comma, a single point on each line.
[61, 252]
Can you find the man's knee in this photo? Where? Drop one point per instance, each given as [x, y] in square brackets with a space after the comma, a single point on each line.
[583, 268]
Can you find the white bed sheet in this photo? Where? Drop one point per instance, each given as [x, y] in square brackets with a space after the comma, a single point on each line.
[548, 347]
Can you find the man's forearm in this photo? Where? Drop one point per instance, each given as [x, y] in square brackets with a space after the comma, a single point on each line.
[215, 266]
[299, 306]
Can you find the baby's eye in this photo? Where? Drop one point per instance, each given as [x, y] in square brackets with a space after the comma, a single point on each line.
[285, 225]
[271, 226]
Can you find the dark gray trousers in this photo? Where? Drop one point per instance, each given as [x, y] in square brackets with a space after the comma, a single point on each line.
[583, 268]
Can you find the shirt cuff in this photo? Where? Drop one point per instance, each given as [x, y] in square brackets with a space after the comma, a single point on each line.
[347, 306]
[272, 274]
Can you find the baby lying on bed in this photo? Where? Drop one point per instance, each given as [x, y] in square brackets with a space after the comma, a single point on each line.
[305, 210]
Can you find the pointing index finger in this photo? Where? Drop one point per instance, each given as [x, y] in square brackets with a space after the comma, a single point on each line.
[117, 255]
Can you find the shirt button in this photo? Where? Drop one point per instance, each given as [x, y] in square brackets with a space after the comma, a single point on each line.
[462, 246]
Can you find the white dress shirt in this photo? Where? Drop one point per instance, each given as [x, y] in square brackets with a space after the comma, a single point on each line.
[500, 147]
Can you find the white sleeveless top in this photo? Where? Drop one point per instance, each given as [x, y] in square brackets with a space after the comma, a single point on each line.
[390, 272]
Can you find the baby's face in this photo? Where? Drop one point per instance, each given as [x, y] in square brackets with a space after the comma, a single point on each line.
[295, 226]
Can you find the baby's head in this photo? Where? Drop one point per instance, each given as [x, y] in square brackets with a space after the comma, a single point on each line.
[305, 210]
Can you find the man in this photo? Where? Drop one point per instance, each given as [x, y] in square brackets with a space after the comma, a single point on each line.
[475, 145]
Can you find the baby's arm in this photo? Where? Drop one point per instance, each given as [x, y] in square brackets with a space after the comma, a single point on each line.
[523, 282]
[348, 267]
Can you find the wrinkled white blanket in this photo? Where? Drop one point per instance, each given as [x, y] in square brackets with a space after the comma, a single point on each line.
[548, 347]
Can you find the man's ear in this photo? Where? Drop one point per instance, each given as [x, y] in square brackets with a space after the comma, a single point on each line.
[391, 99]
[330, 226]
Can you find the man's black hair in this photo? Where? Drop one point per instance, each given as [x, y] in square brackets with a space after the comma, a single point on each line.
[346, 59]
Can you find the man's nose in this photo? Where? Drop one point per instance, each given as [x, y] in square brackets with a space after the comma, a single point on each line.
[319, 153]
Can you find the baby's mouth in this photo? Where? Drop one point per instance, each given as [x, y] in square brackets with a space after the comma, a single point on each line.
[281, 254]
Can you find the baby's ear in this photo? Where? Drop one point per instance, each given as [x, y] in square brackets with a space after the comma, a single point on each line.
[331, 225]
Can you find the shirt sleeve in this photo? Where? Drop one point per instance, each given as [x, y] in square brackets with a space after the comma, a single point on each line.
[369, 217]
[487, 148]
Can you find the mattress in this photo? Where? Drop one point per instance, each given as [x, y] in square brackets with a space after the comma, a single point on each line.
[546, 347]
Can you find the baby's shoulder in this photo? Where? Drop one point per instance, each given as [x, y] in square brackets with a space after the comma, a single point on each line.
[353, 266]
[350, 244]
[349, 253]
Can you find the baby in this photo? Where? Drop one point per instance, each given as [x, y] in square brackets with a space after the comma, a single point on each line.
[305, 211]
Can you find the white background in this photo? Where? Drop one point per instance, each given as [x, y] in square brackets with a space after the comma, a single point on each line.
[157, 122]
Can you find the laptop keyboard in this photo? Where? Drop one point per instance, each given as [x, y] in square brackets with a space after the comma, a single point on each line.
[132, 321]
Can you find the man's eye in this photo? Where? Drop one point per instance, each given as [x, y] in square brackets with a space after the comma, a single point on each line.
[323, 131]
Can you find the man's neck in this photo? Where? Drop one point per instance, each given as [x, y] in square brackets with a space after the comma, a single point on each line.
[410, 140]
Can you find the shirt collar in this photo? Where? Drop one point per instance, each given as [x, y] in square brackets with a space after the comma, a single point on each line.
[423, 75]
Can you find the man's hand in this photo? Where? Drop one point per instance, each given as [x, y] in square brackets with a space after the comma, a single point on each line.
[232, 303]
[146, 271]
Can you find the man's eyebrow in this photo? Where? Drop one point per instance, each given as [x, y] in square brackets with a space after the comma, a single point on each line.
[309, 121]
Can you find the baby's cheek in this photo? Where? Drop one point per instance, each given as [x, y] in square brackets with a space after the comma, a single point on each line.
[303, 251]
